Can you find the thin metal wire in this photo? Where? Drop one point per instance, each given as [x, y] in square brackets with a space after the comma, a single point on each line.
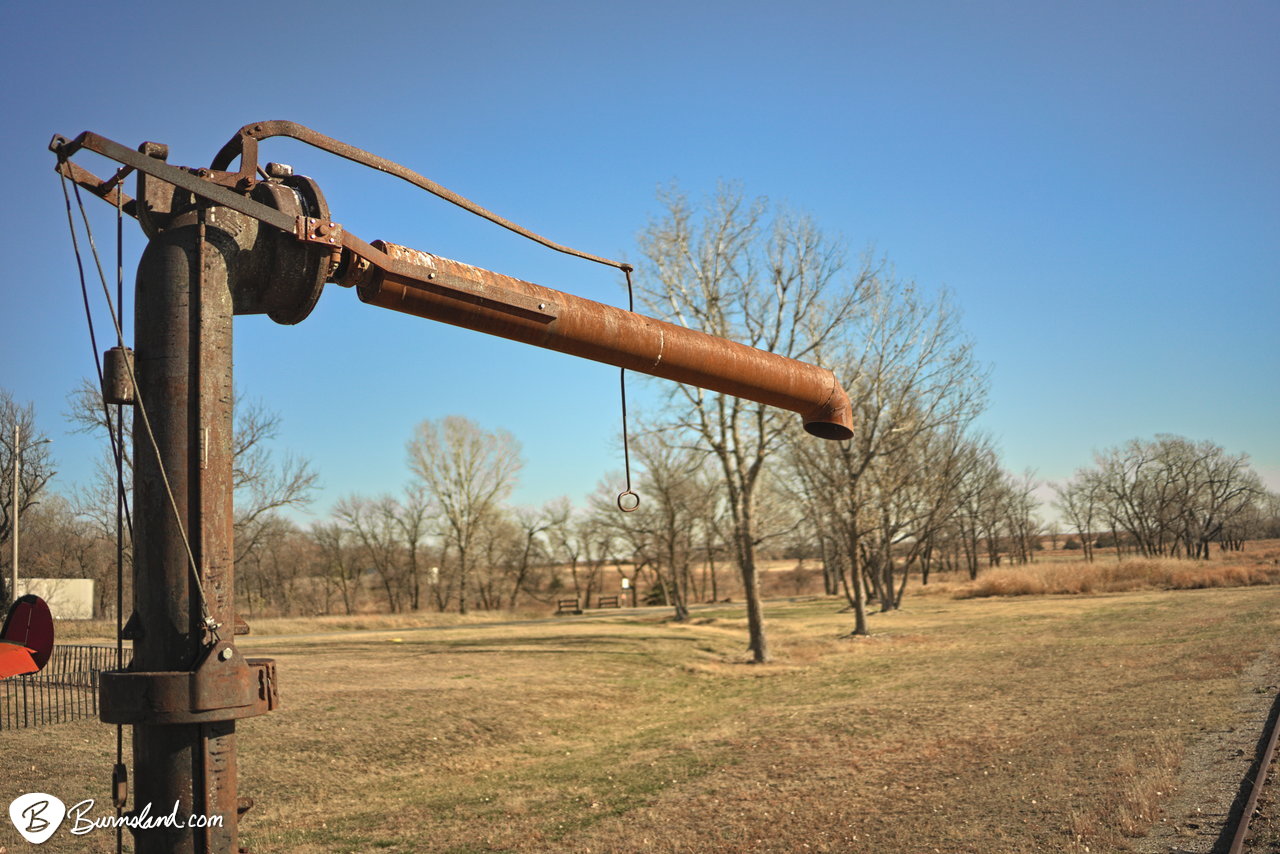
[120, 494]
[265, 130]
[206, 617]
[115, 434]
[119, 768]
[622, 382]
[117, 449]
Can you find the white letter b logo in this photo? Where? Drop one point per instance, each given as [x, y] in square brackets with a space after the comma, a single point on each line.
[37, 816]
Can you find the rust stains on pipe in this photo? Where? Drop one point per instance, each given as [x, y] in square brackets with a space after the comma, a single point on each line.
[426, 285]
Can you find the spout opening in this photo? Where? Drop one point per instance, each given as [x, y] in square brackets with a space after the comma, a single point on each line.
[834, 419]
[828, 430]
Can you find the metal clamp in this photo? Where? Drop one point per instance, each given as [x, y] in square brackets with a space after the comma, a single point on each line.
[224, 686]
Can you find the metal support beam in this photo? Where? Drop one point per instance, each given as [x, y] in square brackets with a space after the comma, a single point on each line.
[183, 368]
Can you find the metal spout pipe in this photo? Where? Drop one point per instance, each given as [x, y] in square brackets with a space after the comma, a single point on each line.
[436, 288]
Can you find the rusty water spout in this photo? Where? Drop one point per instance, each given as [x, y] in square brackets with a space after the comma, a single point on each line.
[429, 286]
[426, 285]
[224, 244]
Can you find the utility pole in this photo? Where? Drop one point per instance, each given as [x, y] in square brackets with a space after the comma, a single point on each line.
[13, 512]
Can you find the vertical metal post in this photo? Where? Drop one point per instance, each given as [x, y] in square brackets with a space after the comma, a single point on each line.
[183, 314]
[13, 585]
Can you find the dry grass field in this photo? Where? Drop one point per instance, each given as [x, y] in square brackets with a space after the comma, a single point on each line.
[1028, 724]
[1062, 572]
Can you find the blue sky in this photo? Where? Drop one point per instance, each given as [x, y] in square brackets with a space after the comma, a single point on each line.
[1097, 183]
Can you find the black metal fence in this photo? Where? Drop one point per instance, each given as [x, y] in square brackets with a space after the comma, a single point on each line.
[66, 690]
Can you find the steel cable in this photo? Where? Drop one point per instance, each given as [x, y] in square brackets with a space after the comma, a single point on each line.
[206, 618]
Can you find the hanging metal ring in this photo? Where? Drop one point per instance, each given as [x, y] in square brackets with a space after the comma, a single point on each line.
[623, 505]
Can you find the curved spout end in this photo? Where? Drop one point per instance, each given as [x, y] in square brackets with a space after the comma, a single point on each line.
[829, 430]
[834, 419]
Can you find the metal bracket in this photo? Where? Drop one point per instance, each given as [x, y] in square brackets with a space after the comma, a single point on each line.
[224, 686]
[312, 230]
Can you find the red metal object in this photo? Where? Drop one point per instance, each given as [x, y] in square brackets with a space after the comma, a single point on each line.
[29, 625]
[16, 660]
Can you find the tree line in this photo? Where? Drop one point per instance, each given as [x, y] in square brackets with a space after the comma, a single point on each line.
[1169, 496]
[724, 482]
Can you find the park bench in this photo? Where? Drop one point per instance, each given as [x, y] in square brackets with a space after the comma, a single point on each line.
[567, 606]
[608, 602]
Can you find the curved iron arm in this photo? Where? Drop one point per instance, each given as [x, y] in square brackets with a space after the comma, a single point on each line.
[245, 146]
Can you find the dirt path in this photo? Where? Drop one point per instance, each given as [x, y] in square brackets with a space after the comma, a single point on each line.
[1195, 820]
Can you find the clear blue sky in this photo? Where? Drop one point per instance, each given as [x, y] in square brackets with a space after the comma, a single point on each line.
[1098, 183]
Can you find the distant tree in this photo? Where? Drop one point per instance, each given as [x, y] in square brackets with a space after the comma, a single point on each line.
[531, 547]
[1021, 521]
[265, 482]
[1080, 503]
[468, 472]
[1169, 495]
[665, 531]
[1054, 530]
[412, 517]
[339, 562]
[882, 499]
[375, 535]
[35, 464]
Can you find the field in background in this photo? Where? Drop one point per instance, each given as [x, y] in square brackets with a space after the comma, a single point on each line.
[1053, 571]
[1029, 724]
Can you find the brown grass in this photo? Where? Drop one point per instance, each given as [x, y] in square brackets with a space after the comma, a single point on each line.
[989, 725]
[1042, 578]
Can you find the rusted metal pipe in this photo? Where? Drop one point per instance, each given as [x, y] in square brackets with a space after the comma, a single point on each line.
[426, 285]
[183, 367]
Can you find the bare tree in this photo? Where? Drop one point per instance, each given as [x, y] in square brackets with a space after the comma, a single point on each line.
[265, 484]
[467, 471]
[285, 575]
[339, 563]
[531, 525]
[372, 525]
[412, 517]
[58, 544]
[1171, 495]
[35, 468]
[581, 542]
[769, 279]
[915, 387]
[666, 529]
[1079, 501]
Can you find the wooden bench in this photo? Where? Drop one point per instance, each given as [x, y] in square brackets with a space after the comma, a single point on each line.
[608, 602]
[567, 606]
